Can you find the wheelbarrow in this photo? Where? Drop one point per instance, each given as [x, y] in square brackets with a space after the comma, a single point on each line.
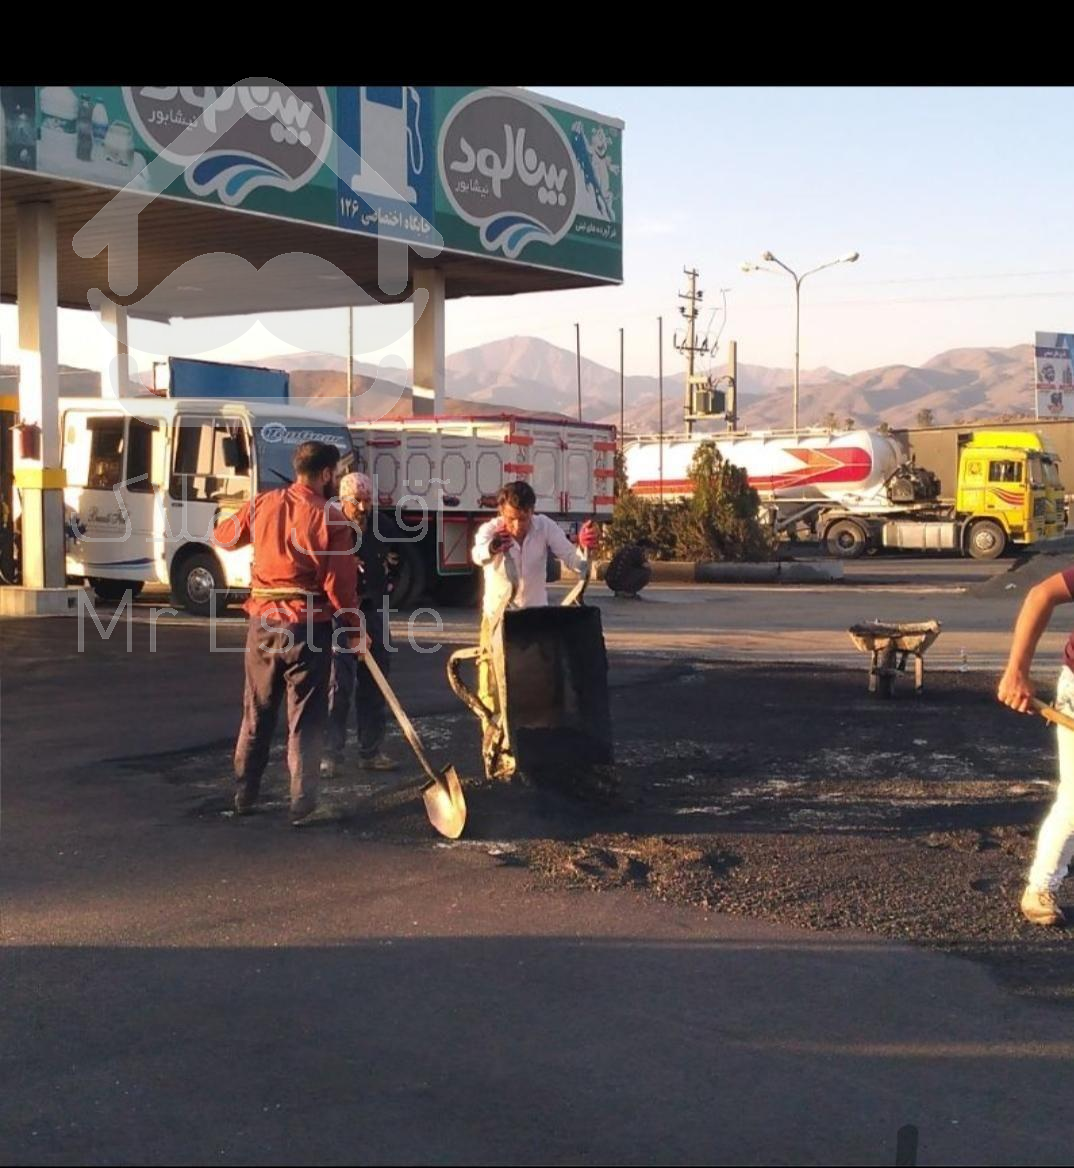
[890, 646]
[549, 717]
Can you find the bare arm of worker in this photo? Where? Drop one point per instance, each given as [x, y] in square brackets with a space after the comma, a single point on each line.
[561, 547]
[234, 531]
[1015, 689]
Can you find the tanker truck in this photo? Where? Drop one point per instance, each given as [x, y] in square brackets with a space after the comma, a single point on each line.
[858, 491]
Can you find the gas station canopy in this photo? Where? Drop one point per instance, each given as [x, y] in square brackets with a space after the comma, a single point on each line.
[500, 190]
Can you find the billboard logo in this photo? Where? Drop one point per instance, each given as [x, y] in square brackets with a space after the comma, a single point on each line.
[508, 169]
[242, 138]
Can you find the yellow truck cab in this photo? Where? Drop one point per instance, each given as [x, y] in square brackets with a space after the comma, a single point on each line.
[1009, 491]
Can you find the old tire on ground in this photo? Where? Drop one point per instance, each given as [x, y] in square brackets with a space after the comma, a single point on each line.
[462, 591]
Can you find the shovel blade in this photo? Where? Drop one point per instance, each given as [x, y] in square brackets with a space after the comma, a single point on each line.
[445, 804]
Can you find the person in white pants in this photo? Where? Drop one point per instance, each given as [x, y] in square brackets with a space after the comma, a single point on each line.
[1055, 843]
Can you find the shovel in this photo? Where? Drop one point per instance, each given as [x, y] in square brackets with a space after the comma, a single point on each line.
[442, 791]
[1051, 714]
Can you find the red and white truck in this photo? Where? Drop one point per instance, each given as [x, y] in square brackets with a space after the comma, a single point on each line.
[441, 476]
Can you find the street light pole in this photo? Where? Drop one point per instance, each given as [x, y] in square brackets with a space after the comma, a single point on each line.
[578, 357]
[797, 347]
[850, 258]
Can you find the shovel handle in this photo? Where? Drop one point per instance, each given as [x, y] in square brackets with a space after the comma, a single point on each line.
[400, 716]
[1051, 714]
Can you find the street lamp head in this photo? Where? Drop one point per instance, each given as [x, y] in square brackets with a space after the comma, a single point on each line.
[851, 257]
[746, 266]
[768, 256]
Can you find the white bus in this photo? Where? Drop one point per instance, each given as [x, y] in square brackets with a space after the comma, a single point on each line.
[147, 476]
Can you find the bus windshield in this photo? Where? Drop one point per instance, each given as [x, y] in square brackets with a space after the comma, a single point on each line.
[275, 444]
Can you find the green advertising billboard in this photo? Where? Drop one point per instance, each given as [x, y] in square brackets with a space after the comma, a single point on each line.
[502, 174]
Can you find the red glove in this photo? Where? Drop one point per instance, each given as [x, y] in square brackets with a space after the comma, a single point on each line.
[500, 542]
[588, 536]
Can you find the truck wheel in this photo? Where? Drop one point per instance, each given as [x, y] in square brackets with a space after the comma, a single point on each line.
[114, 589]
[846, 539]
[412, 579]
[193, 584]
[987, 540]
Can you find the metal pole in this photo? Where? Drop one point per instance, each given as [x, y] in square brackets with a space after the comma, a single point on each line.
[797, 321]
[660, 382]
[578, 356]
[732, 385]
[622, 410]
[350, 362]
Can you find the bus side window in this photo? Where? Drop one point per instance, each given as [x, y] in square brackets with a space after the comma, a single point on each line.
[106, 452]
[212, 461]
[139, 455]
[193, 460]
[231, 462]
[76, 449]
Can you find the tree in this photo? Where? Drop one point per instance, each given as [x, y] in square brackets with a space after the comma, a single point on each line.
[635, 518]
[831, 421]
[719, 521]
[884, 427]
[925, 417]
[848, 423]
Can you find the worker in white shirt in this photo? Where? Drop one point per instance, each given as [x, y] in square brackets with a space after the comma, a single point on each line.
[513, 550]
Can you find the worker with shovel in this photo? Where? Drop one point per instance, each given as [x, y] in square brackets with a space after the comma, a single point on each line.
[1055, 843]
[304, 577]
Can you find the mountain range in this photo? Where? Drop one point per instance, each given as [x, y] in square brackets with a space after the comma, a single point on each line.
[530, 375]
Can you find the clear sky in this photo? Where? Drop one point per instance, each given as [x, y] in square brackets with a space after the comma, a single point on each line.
[959, 201]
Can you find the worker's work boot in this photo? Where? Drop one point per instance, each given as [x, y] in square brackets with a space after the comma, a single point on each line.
[378, 762]
[245, 799]
[302, 810]
[1040, 907]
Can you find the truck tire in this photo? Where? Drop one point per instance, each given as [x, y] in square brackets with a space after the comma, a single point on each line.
[193, 581]
[413, 577]
[846, 539]
[986, 540]
[114, 589]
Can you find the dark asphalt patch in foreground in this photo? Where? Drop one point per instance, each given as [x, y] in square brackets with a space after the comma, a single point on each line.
[787, 794]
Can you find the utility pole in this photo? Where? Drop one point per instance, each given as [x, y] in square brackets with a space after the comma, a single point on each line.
[660, 384]
[622, 409]
[350, 362]
[689, 346]
[732, 385]
[578, 357]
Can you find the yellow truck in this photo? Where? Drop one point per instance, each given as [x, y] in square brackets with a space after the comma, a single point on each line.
[1008, 492]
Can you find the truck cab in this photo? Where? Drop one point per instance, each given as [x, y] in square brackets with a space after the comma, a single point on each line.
[1009, 491]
